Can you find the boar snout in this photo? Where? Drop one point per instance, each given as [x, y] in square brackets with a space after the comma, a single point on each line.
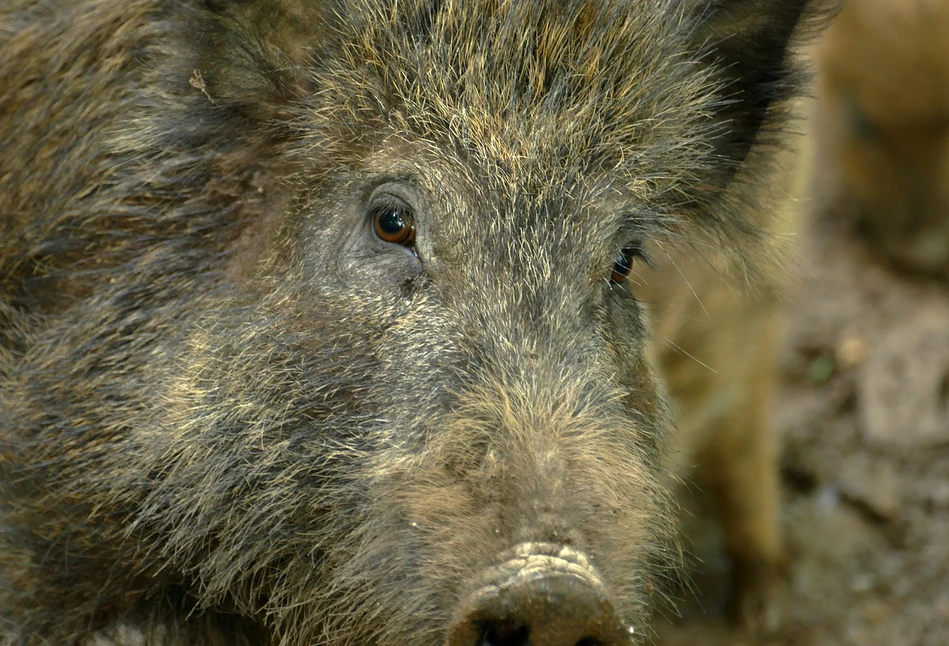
[542, 595]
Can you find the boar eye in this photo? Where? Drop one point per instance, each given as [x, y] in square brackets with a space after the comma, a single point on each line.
[394, 223]
[624, 262]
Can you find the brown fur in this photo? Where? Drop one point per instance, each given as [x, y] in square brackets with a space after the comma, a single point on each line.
[882, 141]
[230, 414]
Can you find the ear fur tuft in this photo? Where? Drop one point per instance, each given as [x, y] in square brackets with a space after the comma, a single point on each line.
[752, 42]
[274, 40]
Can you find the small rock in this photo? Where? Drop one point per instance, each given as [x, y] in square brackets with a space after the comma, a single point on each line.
[938, 495]
[862, 583]
[872, 483]
[942, 607]
[904, 385]
[828, 500]
[852, 351]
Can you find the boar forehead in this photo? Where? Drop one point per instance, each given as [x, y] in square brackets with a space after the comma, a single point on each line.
[539, 97]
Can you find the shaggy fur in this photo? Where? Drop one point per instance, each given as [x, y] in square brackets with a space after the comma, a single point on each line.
[231, 415]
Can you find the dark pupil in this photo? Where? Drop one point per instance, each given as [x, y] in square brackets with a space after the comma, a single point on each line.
[392, 222]
[623, 263]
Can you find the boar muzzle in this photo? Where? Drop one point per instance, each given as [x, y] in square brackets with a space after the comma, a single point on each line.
[541, 595]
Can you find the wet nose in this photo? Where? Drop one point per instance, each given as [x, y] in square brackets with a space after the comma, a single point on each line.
[550, 602]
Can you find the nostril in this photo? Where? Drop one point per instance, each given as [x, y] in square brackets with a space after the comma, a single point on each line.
[505, 633]
[511, 633]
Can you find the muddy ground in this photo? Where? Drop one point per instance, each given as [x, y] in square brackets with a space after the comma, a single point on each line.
[863, 414]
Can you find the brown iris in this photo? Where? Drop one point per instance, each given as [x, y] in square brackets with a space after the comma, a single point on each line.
[395, 224]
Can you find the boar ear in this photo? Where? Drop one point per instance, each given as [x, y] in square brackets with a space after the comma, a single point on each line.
[750, 43]
[255, 53]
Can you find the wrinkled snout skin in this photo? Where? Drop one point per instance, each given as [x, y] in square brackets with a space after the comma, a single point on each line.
[542, 594]
[314, 318]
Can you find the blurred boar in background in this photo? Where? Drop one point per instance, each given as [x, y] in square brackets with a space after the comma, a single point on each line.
[882, 144]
